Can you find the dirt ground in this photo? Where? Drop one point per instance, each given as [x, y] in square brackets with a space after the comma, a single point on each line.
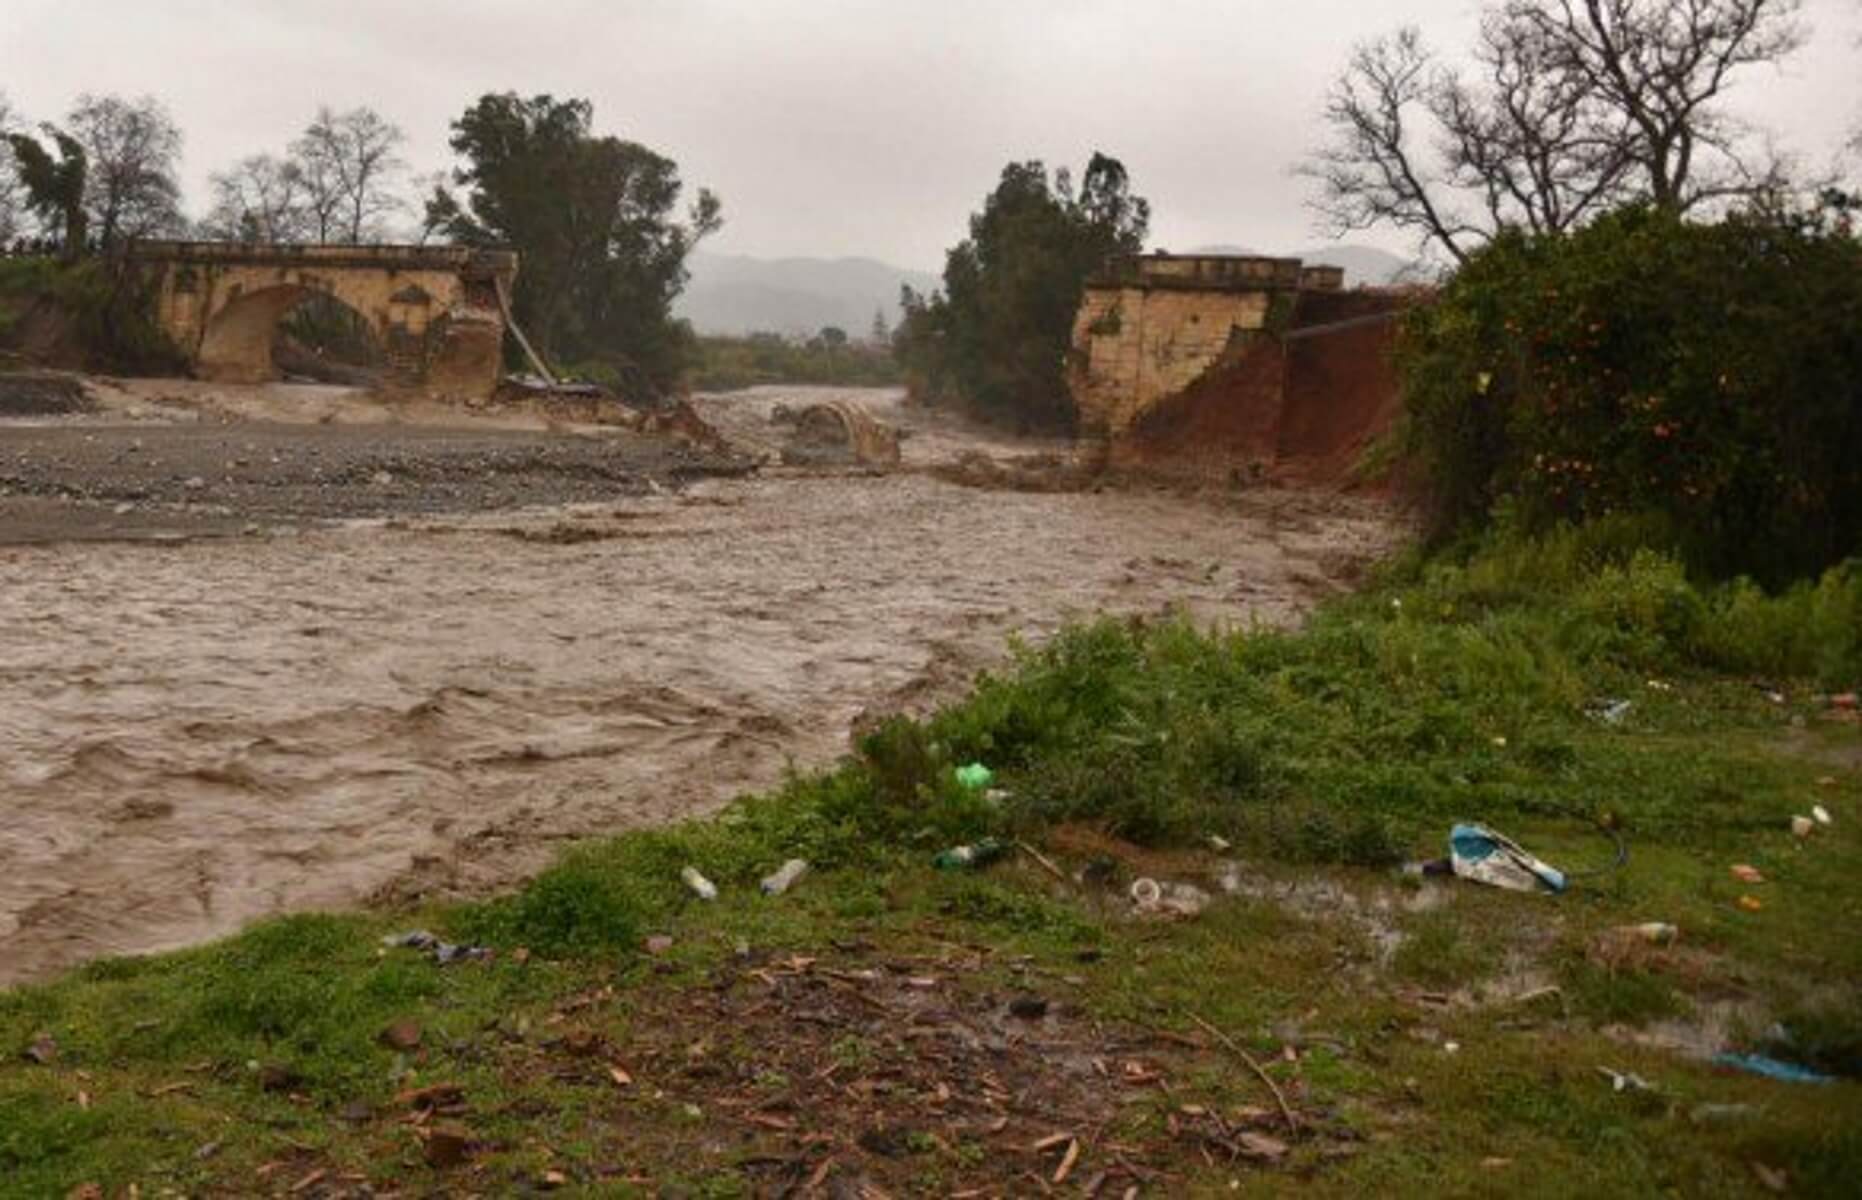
[346, 654]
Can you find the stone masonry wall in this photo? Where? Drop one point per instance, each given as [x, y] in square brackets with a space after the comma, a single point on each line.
[1135, 345]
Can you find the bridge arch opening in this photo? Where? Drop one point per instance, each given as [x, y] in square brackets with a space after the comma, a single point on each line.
[262, 334]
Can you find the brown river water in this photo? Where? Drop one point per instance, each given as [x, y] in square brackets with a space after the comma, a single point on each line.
[195, 733]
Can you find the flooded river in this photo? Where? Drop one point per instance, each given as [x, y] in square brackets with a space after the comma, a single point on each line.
[195, 733]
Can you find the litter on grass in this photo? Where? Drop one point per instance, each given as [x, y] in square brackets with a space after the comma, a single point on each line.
[1485, 856]
[443, 952]
[975, 776]
[1771, 1068]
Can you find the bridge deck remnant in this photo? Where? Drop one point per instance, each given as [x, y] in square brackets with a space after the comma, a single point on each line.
[434, 309]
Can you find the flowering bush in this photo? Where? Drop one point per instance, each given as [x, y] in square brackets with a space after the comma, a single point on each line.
[1708, 373]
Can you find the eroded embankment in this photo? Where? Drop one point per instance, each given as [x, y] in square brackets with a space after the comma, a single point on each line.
[198, 733]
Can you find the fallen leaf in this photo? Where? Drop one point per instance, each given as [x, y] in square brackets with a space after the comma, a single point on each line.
[402, 1035]
[1066, 1162]
[620, 1077]
[553, 1179]
[311, 1180]
[84, 1100]
[1747, 873]
[448, 1145]
[1261, 1145]
[1772, 1178]
[1751, 903]
[85, 1191]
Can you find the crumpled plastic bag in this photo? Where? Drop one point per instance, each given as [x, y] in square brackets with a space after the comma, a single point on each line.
[443, 952]
[1485, 856]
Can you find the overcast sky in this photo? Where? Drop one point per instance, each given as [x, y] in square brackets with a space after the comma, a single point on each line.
[831, 127]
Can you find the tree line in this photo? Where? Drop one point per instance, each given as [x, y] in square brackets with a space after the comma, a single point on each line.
[1568, 110]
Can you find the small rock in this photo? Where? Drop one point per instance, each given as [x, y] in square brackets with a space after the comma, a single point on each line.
[194, 483]
[207, 1150]
[1802, 826]
[382, 479]
[552, 1180]
[1028, 1008]
[124, 509]
[448, 1145]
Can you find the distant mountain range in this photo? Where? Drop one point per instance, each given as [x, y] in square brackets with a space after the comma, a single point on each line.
[738, 293]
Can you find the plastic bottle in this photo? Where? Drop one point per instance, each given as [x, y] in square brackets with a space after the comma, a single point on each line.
[785, 877]
[958, 858]
[703, 888]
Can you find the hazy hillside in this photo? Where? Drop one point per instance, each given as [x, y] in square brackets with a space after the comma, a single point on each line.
[736, 293]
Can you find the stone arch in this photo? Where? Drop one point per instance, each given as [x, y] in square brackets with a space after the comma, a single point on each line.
[236, 345]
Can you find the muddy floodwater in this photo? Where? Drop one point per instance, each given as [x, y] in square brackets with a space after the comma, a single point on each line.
[199, 730]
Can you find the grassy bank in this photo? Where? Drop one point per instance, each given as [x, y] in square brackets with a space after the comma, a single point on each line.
[892, 1027]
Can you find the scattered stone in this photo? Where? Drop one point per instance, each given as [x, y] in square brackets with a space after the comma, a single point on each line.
[194, 483]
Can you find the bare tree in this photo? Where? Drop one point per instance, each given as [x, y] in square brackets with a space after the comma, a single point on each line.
[262, 199]
[350, 164]
[131, 147]
[1573, 105]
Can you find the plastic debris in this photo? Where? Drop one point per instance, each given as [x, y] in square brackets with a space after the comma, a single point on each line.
[1747, 873]
[1610, 711]
[1821, 813]
[443, 952]
[785, 877]
[975, 776]
[1176, 899]
[1625, 1081]
[1771, 1068]
[1481, 854]
[976, 854]
[701, 887]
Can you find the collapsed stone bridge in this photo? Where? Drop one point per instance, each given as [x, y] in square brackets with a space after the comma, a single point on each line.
[438, 311]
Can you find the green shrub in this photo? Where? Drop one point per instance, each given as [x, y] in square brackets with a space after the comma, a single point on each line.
[1709, 374]
[577, 908]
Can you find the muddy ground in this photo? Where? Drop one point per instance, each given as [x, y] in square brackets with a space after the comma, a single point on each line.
[437, 648]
